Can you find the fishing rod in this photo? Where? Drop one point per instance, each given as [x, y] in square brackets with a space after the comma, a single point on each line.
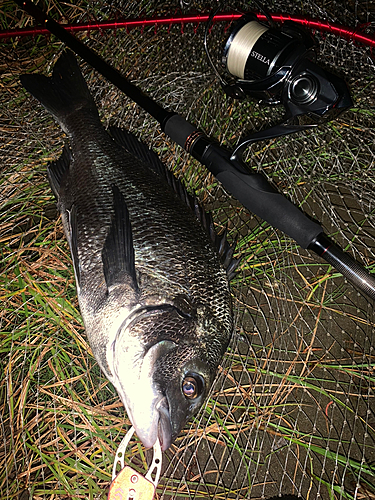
[251, 189]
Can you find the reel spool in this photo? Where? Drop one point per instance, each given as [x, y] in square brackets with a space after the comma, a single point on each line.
[278, 66]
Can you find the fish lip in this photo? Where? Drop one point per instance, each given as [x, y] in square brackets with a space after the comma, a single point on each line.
[165, 424]
[146, 405]
[161, 426]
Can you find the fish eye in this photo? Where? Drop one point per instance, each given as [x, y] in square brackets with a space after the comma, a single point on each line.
[192, 386]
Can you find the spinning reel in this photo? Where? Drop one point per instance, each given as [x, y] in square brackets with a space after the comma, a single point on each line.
[278, 66]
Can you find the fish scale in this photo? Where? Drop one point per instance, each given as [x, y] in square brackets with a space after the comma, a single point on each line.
[151, 215]
[152, 289]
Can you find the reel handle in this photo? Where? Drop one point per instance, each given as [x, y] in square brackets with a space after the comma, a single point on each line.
[278, 130]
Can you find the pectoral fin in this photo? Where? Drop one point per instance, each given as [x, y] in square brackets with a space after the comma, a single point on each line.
[118, 251]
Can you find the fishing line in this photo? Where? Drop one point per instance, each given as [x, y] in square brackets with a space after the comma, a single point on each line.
[241, 46]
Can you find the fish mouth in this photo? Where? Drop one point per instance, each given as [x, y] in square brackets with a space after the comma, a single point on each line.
[160, 427]
[146, 405]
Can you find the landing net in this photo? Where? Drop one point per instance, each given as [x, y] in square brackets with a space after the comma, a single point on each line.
[292, 408]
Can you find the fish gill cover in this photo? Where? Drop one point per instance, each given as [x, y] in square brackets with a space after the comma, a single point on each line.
[292, 409]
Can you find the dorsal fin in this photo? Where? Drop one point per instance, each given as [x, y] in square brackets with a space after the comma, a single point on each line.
[118, 251]
[137, 148]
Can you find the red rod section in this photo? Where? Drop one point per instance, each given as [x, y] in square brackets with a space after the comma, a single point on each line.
[314, 24]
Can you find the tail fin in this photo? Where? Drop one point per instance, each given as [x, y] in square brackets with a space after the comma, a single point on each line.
[64, 93]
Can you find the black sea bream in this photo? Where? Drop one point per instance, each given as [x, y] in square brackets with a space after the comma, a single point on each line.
[152, 282]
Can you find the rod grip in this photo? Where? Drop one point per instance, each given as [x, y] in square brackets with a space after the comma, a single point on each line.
[257, 195]
[180, 130]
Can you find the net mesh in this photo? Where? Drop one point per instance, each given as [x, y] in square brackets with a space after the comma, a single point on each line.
[292, 408]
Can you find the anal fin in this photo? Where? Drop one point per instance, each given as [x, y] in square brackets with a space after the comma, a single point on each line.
[57, 170]
[118, 251]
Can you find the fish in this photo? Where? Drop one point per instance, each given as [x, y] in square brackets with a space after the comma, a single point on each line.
[152, 275]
